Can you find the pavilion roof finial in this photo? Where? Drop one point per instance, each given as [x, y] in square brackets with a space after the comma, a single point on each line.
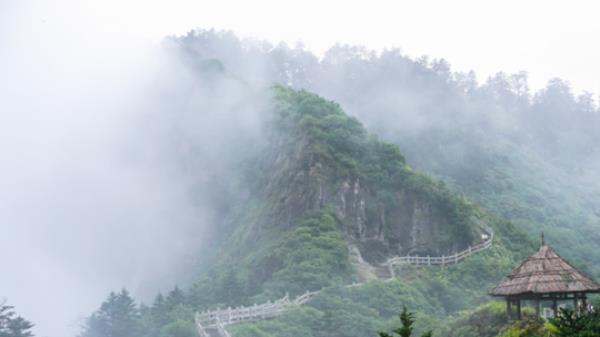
[543, 242]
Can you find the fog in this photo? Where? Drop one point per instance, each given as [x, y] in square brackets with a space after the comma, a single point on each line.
[113, 158]
[528, 155]
[119, 157]
[84, 207]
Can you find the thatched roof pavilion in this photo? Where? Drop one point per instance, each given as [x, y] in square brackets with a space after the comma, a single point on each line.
[545, 276]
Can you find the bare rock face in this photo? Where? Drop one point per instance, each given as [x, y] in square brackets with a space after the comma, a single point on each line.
[398, 223]
[406, 225]
[320, 158]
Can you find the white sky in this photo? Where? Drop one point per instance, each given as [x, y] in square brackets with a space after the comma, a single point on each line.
[545, 38]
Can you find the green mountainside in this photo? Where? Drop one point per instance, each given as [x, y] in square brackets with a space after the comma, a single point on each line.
[315, 185]
[307, 191]
[321, 183]
[330, 149]
[519, 185]
[531, 157]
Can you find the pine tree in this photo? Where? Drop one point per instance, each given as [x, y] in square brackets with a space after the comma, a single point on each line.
[12, 325]
[20, 327]
[231, 291]
[175, 297]
[159, 311]
[407, 319]
[118, 316]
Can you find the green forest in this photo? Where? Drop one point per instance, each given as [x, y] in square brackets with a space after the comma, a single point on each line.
[309, 174]
[310, 252]
[318, 179]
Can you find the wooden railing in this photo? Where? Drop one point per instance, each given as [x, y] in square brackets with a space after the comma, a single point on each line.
[221, 330]
[218, 327]
[304, 298]
[216, 320]
[438, 260]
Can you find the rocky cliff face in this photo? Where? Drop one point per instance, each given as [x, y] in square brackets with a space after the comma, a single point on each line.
[315, 157]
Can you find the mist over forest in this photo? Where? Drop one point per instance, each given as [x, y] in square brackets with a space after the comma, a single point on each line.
[159, 175]
[493, 140]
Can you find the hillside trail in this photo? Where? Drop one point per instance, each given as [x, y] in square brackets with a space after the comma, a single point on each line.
[212, 323]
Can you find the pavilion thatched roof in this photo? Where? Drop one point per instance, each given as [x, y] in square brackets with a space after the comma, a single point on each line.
[544, 272]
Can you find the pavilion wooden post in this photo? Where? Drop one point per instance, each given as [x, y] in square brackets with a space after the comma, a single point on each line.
[554, 307]
[519, 309]
[509, 308]
[537, 307]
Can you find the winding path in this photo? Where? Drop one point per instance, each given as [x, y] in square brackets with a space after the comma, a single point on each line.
[439, 260]
[212, 323]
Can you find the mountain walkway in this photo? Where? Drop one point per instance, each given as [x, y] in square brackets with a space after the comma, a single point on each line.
[209, 322]
[212, 323]
[438, 260]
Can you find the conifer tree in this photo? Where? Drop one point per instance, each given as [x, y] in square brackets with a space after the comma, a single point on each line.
[175, 297]
[118, 316]
[407, 319]
[12, 325]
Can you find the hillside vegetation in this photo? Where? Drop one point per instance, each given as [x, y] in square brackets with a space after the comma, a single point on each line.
[325, 190]
[293, 199]
[317, 182]
[530, 157]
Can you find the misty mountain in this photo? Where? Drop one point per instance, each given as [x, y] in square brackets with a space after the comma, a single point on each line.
[316, 183]
[244, 171]
[295, 202]
[530, 157]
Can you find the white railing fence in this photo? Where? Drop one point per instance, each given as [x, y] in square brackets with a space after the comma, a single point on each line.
[216, 320]
[438, 260]
[221, 330]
